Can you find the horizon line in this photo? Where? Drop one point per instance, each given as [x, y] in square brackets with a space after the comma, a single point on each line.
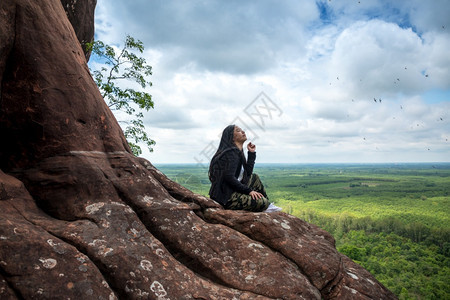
[315, 163]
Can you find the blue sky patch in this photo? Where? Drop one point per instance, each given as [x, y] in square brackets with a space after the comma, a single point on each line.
[437, 96]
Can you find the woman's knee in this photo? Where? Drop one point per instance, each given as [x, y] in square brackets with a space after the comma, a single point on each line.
[254, 177]
[254, 180]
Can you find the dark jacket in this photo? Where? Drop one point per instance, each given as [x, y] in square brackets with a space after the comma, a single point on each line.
[225, 167]
[226, 180]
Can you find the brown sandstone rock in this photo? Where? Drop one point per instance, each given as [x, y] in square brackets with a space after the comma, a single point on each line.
[81, 16]
[35, 263]
[83, 218]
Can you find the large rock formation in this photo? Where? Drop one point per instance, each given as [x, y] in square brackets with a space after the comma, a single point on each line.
[82, 218]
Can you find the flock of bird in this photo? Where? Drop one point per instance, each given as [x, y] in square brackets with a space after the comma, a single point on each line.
[396, 81]
[379, 101]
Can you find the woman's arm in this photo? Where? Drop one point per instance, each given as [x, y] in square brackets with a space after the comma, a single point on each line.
[251, 157]
[233, 160]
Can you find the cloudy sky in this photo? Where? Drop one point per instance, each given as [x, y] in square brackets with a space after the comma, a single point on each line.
[310, 81]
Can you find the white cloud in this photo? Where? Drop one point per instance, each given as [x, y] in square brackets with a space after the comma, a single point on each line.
[322, 65]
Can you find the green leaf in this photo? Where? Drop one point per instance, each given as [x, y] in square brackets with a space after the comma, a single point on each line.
[125, 66]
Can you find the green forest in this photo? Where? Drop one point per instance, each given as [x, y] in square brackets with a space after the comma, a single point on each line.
[393, 219]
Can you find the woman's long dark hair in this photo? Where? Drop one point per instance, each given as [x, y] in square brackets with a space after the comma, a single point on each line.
[216, 166]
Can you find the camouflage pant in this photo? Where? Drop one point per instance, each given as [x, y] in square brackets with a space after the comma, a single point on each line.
[240, 201]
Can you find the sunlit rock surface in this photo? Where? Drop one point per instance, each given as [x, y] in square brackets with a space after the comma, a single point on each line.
[82, 218]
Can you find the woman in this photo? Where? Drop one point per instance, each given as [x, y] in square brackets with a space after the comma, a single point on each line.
[233, 183]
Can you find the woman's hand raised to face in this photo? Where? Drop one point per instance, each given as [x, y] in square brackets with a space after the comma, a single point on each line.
[251, 147]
